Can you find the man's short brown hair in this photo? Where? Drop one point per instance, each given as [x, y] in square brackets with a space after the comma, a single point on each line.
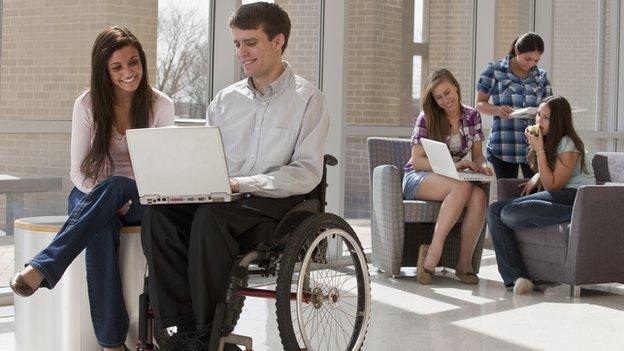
[269, 17]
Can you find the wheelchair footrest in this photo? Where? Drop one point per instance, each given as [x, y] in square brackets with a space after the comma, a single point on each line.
[241, 340]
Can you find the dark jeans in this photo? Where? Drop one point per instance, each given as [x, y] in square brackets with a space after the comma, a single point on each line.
[504, 169]
[191, 249]
[94, 224]
[537, 210]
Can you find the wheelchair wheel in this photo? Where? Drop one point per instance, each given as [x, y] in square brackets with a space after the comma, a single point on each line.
[324, 266]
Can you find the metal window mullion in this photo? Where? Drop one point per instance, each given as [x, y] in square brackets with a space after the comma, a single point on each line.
[600, 56]
[321, 44]
[614, 71]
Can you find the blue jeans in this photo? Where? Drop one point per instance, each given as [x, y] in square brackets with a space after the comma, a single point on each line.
[94, 224]
[532, 211]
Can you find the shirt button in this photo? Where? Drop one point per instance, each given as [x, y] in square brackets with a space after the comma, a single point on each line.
[253, 155]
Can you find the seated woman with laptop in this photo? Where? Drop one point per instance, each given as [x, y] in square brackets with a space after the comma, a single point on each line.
[445, 119]
[105, 195]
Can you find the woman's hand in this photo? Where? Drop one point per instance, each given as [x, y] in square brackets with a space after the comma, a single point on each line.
[125, 208]
[466, 164]
[536, 142]
[533, 183]
[486, 169]
[504, 111]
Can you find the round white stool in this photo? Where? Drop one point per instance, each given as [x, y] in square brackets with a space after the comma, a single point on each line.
[60, 319]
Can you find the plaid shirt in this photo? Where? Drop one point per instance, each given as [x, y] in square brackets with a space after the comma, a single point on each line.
[507, 141]
[469, 131]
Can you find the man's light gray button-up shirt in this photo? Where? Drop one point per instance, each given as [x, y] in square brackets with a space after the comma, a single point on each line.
[274, 143]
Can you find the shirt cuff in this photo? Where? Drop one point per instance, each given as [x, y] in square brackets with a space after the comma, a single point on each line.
[246, 184]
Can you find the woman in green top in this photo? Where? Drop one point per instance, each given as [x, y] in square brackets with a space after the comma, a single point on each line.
[557, 154]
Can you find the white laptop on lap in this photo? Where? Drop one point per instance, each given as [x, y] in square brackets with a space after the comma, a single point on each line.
[442, 163]
[175, 165]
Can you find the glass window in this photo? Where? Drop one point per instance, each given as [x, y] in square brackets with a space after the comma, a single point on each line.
[418, 20]
[183, 55]
[451, 41]
[575, 67]
[514, 17]
[303, 44]
[416, 82]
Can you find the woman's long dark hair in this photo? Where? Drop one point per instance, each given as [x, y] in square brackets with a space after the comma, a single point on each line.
[98, 160]
[527, 42]
[438, 125]
[560, 125]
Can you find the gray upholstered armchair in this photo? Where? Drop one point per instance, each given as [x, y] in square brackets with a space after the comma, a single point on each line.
[398, 226]
[587, 250]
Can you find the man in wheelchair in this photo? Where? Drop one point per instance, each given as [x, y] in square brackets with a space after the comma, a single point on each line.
[274, 125]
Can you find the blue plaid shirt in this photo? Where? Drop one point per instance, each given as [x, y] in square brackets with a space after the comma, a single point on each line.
[507, 141]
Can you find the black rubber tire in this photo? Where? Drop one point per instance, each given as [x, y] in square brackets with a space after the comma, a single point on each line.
[238, 308]
[293, 253]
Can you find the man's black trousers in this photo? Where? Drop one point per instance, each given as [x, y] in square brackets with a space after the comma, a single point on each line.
[190, 250]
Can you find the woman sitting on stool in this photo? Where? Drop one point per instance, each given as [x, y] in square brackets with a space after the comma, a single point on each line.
[105, 195]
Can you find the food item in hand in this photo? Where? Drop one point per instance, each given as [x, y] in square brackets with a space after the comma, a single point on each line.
[534, 129]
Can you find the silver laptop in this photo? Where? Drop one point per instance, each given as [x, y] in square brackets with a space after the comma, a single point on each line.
[442, 163]
[176, 165]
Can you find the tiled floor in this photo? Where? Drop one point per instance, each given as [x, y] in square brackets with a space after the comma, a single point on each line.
[451, 316]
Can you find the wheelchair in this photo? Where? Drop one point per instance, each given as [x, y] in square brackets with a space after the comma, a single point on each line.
[322, 290]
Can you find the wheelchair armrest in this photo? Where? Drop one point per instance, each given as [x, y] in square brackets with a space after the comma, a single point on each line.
[293, 218]
[330, 160]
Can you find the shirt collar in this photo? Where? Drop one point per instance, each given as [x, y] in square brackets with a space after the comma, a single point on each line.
[506, 65]
[277, 86]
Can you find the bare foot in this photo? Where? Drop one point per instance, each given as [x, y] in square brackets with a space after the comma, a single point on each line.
[32, 276]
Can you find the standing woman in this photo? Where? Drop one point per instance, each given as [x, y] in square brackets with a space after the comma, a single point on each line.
[444, 118]
[513, 82]
[105, 195]
[557, 154]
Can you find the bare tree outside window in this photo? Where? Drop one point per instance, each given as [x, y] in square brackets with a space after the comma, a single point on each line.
[183, 59]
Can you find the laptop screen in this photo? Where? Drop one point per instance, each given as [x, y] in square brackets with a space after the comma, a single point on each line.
[178, 161]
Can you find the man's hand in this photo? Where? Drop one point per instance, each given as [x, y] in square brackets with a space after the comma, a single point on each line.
[234, 185]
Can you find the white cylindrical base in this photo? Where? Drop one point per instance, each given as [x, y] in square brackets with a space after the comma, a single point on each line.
[60, 319]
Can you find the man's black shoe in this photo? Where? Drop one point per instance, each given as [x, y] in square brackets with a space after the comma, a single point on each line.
[199, 342]
[179, 341]
[231, 347]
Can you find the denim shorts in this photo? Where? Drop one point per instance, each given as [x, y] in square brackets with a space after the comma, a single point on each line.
[411, 181]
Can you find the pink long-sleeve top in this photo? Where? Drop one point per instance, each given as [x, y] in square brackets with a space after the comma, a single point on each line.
[83, 133]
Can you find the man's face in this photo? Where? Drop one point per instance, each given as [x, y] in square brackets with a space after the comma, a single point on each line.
[258, 55]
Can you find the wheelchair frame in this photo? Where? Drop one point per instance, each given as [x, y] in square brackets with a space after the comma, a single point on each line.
[310, 225]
